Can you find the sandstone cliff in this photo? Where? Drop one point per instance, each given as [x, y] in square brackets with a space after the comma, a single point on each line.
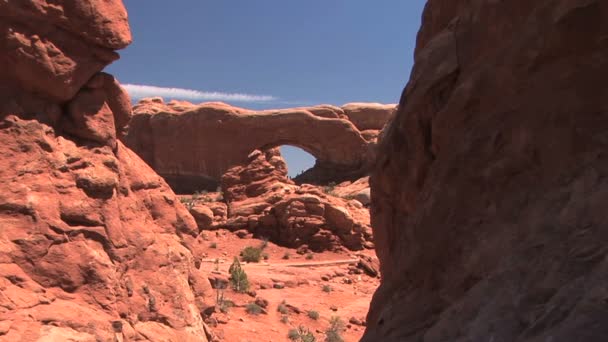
[489, 193]
[93, 244]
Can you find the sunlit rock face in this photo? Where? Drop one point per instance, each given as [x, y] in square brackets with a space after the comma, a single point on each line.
[94, 245]
[489, 191]
[192, 146]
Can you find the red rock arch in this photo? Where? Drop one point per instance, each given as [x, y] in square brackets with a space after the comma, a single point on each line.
[193, 145]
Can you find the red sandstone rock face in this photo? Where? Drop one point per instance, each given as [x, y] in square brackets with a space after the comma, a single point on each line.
[53, 48]
[90, 237]
[193, 145]
[491, 183]
[93, 244]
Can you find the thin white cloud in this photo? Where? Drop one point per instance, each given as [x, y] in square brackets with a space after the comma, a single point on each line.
[139, 91]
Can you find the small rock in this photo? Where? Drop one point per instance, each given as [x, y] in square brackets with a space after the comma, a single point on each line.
[325, 278]
[369, 245]
[242, 233]
[261, 302]
[218, 281]
[368, 268]
[209, 311]
[355, 321]
[278, 285]
[302, 250]
[333, 308]
[294, 309]
[211, 321]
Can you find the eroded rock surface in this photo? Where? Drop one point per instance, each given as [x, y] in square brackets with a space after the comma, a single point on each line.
[53, 48]
[192, 146]
[93, 244]
[263, 201]
[490, 189]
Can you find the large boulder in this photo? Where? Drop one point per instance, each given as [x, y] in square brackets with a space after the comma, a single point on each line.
[489, 193]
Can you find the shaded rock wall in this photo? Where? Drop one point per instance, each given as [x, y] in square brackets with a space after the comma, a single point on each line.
[489, 194]
[93, 244]
[191, 146]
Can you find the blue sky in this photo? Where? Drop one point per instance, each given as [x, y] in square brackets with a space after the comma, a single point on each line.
[271, 53]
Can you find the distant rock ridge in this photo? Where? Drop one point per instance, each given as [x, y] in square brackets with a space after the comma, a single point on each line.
[192, 146]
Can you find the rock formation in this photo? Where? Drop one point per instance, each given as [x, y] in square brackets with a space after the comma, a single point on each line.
[192, 146]
[93, 244]
[490, 188]
[262, 200]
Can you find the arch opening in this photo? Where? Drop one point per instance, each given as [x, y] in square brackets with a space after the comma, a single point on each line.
[297, 159]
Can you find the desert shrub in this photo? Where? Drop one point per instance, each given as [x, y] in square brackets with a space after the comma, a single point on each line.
[213, 245]
[222, 303]
[282, 308]
[293, 334]
[313, 314]
[309, 256]
[225, 305]
[251, 254]
[329, 188]
[188, 202]
[286, 256]
[253, 309]
[284, 319]
[238, 277]
[326, 288]
[301, 334]
[333, 332]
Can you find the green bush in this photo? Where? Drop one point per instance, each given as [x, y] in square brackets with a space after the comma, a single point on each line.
[284, 319]
[301, 334]
[188, 202]
[282, 308]
[333, 333]
[225, 305]
[327, 288]
[313, 314]
[329, 188]
[238, 277]
[253, 309]
[293, 334]
[251, 254]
